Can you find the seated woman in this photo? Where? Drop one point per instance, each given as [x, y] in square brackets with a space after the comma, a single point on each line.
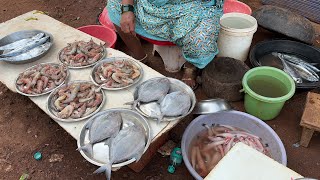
[192, 25]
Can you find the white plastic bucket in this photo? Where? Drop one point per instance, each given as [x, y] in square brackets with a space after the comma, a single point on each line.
[235, 35]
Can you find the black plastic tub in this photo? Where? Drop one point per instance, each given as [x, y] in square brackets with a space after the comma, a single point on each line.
[260, 55]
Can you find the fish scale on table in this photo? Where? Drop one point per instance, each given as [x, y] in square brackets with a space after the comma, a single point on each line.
[129, 143]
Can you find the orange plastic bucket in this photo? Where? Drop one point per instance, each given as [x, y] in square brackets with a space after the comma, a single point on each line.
[103, 33]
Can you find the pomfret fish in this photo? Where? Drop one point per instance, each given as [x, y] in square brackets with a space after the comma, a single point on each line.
[26, 47]
[175, 104]
[29, 54]
[129, 143]
[152, 90]
[22, 42]
[101, 128]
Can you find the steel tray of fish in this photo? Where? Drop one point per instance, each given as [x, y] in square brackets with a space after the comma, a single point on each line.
[146, 109]
[111, 60]
[23, 38]
[284, 54]
[45, 92]
[104, 53]
[100, 150]
[50, 102]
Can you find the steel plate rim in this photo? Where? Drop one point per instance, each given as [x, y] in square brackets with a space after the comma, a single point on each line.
[34, 58]
[86, 66]
[36, 95]
[78, 119]
[111, 59]
[83, 130]
[171, 118]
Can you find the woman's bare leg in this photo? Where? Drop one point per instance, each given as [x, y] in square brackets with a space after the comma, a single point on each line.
[190, 73]
[133, 43]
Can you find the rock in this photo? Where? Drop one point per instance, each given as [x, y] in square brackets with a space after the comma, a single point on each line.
[56, 158]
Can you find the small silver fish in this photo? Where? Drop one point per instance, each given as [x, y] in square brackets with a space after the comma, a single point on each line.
[289, 70]
[129, 143]
[175, 104]
[22, 42]
[26, 47]
[152, 90]
[29, 54]
[101, 128]
[304, 73]
[294, 59]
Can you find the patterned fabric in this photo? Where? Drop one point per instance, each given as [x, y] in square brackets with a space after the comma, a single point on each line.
[191, 24]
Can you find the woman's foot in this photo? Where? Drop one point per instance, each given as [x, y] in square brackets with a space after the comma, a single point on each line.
[189, 77]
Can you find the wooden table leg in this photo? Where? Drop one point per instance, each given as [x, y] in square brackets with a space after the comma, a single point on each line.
[306, 136]
[152, 150]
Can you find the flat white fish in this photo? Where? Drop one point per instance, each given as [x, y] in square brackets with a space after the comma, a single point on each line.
[175, 104]
[26, 47]
[152, 90]
[29, 54]
[101, 128]
[129, 143]
[22, 42]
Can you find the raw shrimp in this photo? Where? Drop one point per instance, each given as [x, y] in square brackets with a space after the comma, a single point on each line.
[41, 78]
[116, 74]
[211, 145]
[81, 53]
[76, 100]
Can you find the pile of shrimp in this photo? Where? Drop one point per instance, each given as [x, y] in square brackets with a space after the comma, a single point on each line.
[212, 144]
[116, 74]
[41, 78]
[76, 100]
[81, 53]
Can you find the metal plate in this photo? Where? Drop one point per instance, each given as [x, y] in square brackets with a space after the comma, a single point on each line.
[23, 35]
[86, 66]
[175, 85]
[129, 117]
[52, 113]
[114, 59]
[31, 95]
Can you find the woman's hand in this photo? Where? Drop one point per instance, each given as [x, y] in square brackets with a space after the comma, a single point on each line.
[127, 22]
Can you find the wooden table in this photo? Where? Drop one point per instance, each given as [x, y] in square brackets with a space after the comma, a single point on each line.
[310, 120]
[63, 34]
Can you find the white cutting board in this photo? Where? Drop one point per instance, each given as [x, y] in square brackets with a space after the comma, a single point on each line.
[245, 163]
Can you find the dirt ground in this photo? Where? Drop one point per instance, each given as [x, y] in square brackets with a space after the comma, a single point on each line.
[25, 129]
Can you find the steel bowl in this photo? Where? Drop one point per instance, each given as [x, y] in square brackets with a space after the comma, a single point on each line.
[175, 85]
[53, 114]
[86, 66]
[47, 92]
[211, 106]
[129, 117]
[23, 35]
[114, 59]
